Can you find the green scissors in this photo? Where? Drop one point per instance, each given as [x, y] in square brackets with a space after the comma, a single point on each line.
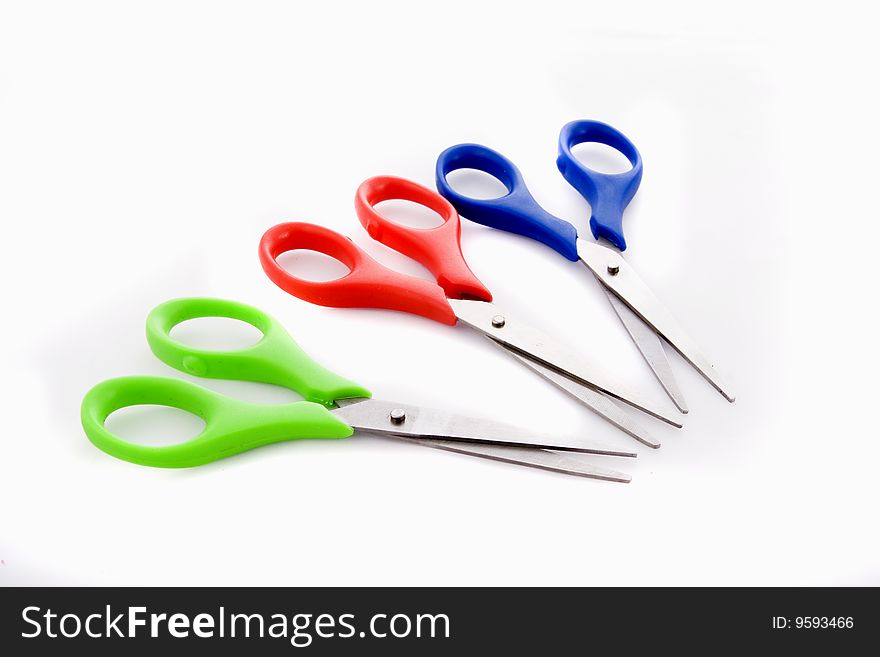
[334, 407]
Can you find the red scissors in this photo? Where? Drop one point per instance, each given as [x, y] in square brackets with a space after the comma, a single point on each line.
[457, 295]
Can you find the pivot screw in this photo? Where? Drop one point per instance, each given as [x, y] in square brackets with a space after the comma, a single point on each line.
[398, 416]
[498, 321]
[613, 269]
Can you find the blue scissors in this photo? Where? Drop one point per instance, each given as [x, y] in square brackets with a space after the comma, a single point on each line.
[644, 317]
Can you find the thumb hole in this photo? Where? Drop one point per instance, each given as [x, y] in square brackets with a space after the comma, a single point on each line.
[312, 265]
[154, 425]
[601, 158]
[216, 334]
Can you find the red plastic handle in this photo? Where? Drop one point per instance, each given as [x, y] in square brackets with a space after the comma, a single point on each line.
[438, 249]
[367, 285]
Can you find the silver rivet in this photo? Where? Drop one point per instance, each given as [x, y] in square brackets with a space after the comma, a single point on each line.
[498, 321]
[613, 269]
[398, 415]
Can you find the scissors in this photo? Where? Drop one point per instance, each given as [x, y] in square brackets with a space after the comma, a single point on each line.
[334, 407]
[645, 318]
[456, 296]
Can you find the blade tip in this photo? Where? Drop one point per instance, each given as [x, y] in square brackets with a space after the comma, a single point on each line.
[615, 476]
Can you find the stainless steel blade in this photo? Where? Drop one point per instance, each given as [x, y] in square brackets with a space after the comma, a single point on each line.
[651, 347]
[614, 273]
[595, 401]
[533, 458]
[532, 343]
[409, 421]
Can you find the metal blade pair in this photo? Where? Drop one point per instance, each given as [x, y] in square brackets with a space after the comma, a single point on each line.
[647, 320]
[568, 370]
[476, 437]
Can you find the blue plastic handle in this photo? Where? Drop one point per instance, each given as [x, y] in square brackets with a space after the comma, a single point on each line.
[516, 212]
[608, 194]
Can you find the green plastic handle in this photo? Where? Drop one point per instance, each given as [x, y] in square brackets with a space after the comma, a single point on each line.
[276, 358]
[231, 425]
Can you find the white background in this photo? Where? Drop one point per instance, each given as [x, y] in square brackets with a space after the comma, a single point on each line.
[145, 147]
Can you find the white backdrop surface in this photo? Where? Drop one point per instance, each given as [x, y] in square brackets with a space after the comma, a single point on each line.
[144, 148]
